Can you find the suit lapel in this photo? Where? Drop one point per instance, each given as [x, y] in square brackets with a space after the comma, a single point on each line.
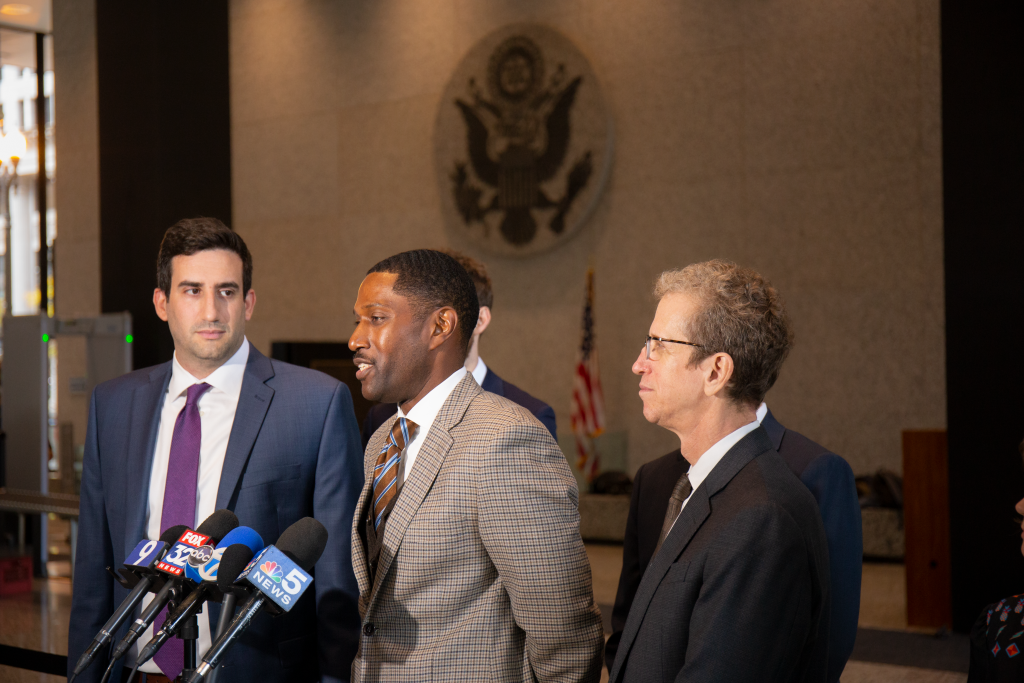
[147, 404]
[253, 403]
[360, 564]
[421, 478]
[697, 510]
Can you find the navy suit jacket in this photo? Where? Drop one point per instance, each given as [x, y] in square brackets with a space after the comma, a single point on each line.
[293, 452]
[380, 413]
[831, 482]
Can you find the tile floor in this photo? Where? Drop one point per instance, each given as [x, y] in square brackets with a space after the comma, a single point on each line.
[39, 620]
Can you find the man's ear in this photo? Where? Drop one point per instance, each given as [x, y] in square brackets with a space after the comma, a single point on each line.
[160, 303]
[718, 371]
[444, 323]
[483, 321]
[250, 303]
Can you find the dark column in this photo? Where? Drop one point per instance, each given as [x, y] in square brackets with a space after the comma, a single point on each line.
[41, 182]
[983, 169]
[164, 144]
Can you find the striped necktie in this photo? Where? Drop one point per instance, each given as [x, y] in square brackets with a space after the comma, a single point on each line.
[385, 472]
[680, 493]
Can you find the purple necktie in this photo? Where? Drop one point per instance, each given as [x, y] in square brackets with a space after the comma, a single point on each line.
[180, 504]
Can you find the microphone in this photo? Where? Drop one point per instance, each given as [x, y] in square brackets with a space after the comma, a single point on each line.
[140, 565]
[213, 528]
[280, 576]
[236, 550]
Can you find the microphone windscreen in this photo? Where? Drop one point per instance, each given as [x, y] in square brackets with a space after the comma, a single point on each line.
[235, 559]
[173, 534]
[217, 525]
[303, 542]
[243, 535]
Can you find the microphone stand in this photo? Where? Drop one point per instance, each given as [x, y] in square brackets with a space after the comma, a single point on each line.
[190, 634]
[227, 613]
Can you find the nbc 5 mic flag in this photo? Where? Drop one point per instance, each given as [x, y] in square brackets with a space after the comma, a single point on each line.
[587, 411]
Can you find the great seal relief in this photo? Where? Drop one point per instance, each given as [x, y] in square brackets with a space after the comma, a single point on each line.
[523, 141]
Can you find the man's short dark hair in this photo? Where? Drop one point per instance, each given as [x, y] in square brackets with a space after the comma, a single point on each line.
[431, 280]
[192, 235]
[477, 271]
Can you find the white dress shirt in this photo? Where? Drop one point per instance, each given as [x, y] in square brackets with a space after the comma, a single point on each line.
[423, 414]
[480, 371]
[700, 470]
[217, 415]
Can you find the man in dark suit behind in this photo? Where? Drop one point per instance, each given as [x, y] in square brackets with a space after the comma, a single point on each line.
[737, 588]
[219, 426]
[484, 376]
[829, 479]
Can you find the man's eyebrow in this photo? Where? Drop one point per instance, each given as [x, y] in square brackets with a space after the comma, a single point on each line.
[199, 285]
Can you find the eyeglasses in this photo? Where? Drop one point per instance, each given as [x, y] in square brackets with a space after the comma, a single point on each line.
[654, 350]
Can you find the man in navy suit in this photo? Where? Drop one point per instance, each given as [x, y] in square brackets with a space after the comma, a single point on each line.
[220, 426]
[484, 376]
[831, 482]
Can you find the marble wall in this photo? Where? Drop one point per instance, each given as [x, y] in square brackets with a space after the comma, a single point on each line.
[795, 136]
[799, 137]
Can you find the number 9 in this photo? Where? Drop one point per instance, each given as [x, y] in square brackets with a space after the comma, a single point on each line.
[146, 550]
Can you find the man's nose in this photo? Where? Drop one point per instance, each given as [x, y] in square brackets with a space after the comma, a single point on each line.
[357, 340]
[641, 363]
[211, 308]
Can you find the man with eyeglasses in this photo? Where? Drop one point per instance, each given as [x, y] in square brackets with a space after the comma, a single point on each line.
[734, 583]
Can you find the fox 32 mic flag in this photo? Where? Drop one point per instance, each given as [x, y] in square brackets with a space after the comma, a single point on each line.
[587, 410]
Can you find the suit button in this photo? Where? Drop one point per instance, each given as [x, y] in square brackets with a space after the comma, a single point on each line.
[369, 629]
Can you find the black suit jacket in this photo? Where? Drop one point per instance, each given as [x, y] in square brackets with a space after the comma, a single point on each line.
[380, 413]
[740, 590]
[831, 482]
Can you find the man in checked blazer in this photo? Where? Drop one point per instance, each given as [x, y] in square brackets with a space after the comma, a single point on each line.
[465, 540]
[484, 375]
[737, 588]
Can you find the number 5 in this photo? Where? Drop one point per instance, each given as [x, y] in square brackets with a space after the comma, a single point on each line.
[293, 582]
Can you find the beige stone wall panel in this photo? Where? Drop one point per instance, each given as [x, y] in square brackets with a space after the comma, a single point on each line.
[801, 138]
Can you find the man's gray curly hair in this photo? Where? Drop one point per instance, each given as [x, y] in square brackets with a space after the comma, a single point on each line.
[738, 313]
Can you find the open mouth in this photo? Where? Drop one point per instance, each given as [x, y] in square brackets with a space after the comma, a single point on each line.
[362, 368]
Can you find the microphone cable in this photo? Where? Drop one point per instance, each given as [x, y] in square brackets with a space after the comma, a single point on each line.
[106, 674]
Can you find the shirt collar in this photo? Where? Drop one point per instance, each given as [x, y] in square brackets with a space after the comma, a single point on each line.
[480, 371]
[700, 470]
[227, 378]
[762, 411]
[424, 412]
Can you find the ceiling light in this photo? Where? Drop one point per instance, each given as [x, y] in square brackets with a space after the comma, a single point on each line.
[15, 10]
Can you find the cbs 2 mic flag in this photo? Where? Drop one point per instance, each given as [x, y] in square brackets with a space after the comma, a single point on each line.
[587, 410]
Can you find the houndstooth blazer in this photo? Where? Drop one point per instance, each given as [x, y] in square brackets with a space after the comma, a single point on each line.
[482, 575]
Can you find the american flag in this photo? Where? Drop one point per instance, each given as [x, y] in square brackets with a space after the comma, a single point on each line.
[587, 412]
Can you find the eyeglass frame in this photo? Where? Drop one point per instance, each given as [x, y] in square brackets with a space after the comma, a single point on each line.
[647, 344]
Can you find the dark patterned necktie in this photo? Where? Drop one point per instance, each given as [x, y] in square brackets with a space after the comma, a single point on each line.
[680, 493]
[180, 504]
[385, 472]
